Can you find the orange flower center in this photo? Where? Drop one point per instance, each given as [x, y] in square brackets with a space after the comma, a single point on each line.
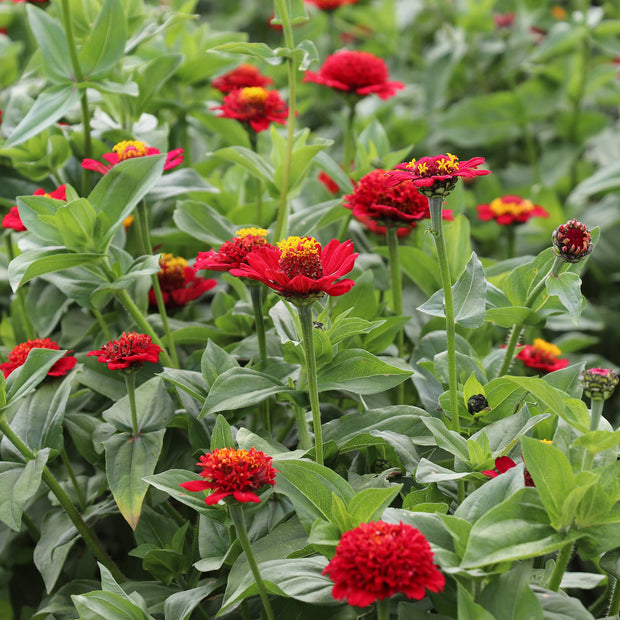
[558, 12]
[301, 256]
[19, 354]
[128, 149]
[171, 276]
[511, 206]
[253, 94]
[547, 351]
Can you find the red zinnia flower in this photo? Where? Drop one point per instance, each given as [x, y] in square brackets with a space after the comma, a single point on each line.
[436, 176]
[128, 149]
[256, 106]
[18, 356]
[301, 270]
[377, 204]
[359, 73]
[233, 472]
[509, 210]
[542, 355]
[377, 560]
[178, 282]
[502, 465]
[130, 351]
[504, 20]
[241, 77]
[232, 253]
[330, 5]
[13, 220]
[330, 185]
[572, 241]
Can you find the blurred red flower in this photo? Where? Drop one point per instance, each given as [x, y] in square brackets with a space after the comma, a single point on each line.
[239, 473]
[330, 5]
[377, 560]
[255, 106]
[542, 355]
[130, 351]
[509, 210]
[240, 77]
[358, 73]
[233, 252]
[13, 220]
[300, 269]
[18, 355]
[178, 282]
[128, 149]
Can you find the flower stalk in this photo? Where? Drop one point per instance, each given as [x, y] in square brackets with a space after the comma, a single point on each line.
[76, 487]
[561, 564]
[25, 321]
[397, 296]
[130, 383]
[383, 609]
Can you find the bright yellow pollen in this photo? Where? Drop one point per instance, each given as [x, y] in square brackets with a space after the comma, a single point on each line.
[298, 246]
[423, 168]
[558, 12]
[169, 262]
[128, 221]
[547, 441]
[254, 232]
[546, 348]
[411, 164]
[501, 207]
[129, 148]
[253, 94]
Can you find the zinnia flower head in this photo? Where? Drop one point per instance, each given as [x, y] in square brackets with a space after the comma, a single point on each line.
[504, 463]
[378, 205]
[572, 241]
[358, 73]
[509, 210]
[242, 76]
[436, 176]
[599, 383]
[330, 5]
[330, 185]
[17, 357]
[128, 353]
[13, 220]
[504, 20]
[239, 473]
[377, 560]
[178, 282]
[300, 269]
[542, 355]
[232, 253]
[128, 149]
[255, 106]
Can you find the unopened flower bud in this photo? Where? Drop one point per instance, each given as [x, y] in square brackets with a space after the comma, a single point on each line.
[477, 403]
[599, 383]
[572, 241]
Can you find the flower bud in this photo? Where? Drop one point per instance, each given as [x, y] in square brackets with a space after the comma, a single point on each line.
[599, 383]
[572, 241]
[477, 403]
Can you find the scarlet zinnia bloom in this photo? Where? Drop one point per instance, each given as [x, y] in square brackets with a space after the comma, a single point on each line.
[358, 73]
[232, 253]
[542, 355]
[503, 20]
[572, 241]
[502, 465]
[130, 351]
[239, 473]
[509, 210]
[377, 560]
[330, 185]
[13, 220]
[330, 5]
[18, 356]
[256, 106]
[377, 204]
[436, 176]
[178, 282]
[128, 149]
[300, 269]
[241, 77]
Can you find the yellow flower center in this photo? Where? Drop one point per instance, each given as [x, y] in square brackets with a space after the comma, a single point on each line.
[546, 349]
[301, 256]
[129, 148]
[558, 12]
[253, 94]
[503, 206]
[547, 441]
[251, 232]
[172, 273]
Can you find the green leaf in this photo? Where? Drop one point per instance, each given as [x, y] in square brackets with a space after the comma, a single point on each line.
[447, 439]
[169, 482]
[567, 286]
[75, 222]
[18, 483]
[606, 178]
[420, 268]
[179, 606]
[558, 606]
[471, 388]
[597, 441]
[222, 435]
[256, 165]
[610, 563]
[512, 315]
[105, 44]
[203, 222]
[49, 107]
[258, 50]
[469, 609]
[457, 236]
[99, 605]
[152, 76]
[214, 362]
[368, 505]
[31, 208]
[128, 460]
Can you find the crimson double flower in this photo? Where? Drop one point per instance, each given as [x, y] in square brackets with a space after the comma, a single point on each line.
[13, 220]
[128, 353]
[255, 106]
[241, 77]
[17, 357]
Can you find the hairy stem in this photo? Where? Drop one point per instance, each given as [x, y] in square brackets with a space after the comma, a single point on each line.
[560, 566]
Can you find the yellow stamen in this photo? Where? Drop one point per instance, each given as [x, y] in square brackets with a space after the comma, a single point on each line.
[501, 207]
[547, 441]
[546, 348]
[298, 247]
[169, 262]
[127, 149]
[253, 232]
[253, 94]
[422, 168]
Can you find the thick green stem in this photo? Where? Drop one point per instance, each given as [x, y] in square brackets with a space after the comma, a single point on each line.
[102, 324]
[383, 609]
[596, 410]
[258, 184]
[305, 317]
[349, 141]
[20, 298]
[436, 204]
[89, 537]
[256, 293]
[130, 382]
[614, 604]
[397, 296]
[560, 567]
[76, 487]
[305, 441]
[511, 238]
[236, 514]
[282, 219]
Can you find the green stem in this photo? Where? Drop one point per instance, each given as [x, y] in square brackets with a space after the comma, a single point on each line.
[256, 293]
[89, 537]
[383, 609]
[258, 184]
[282, 219]
[614, 604]
[344, 228]
[397, 297]
[102, 324]
[305, 317]
[511, 238]
[236, 514]
[560, 567]
[596, 410]
[20, 298]
[349, 142]
[436, 204]
[76, 487]
[130, 382]
[305, 441]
